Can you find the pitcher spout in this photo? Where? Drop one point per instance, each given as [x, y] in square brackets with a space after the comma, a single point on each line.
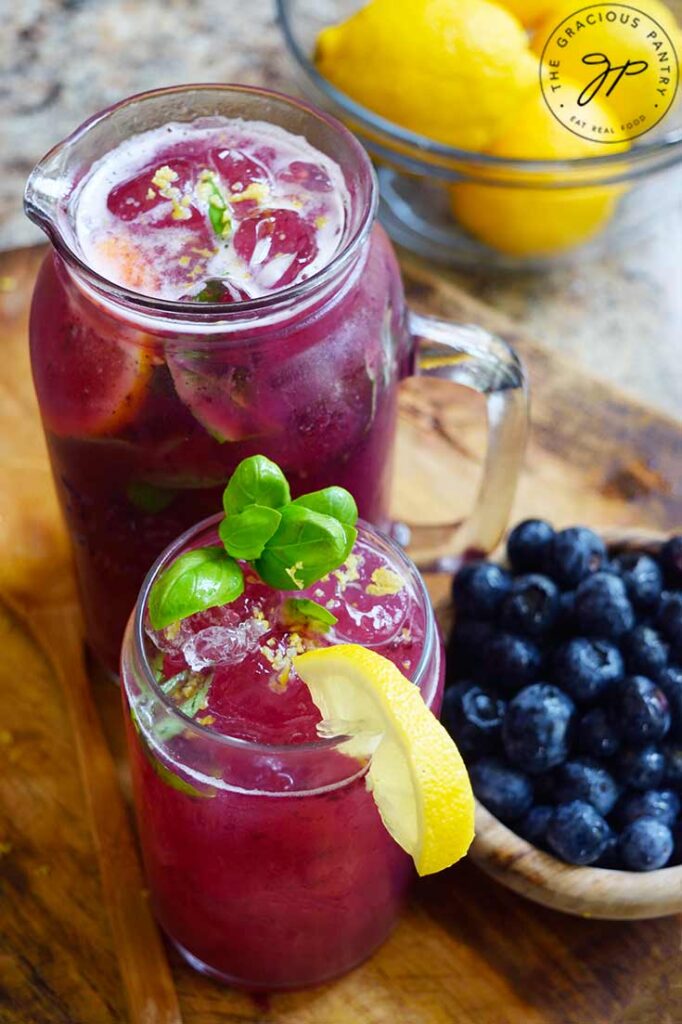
[50, 184]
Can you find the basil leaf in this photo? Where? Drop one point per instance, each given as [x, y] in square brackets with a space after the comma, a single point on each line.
[302, 608]
[332, 501]
[170, 727]
[246, 533]
[163, 771]
[218, 207]
[149, 498]
[192, 704]
[176, 781]
[351, 536]
[197, 580]
[256, 481]
[305, 548]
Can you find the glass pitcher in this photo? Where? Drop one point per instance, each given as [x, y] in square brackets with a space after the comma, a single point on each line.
[149, 404]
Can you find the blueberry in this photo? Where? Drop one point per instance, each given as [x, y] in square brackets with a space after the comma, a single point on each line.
[531, 606]
[537, 727]
[533, 825]
[677, 840]
[466, 646]
[671, 562]
[672, 775]
[544, 788]
[575, 553]
[640, 768]
[474, 718]
[577, 833]
[669, 616]
[610, 857]
[585, 668]
[646, 844]
[670, 681]
[588, 781]
[642, 577]
[641, 710]
[602, 607]
[506, 792]
[511, 661]
[597, 735]
[478, 588]
[565, 623]
[528, 544]
[452, 700]
[645, 653]
[662, 804]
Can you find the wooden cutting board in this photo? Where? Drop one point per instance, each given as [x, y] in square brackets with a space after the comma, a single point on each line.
[465, 951]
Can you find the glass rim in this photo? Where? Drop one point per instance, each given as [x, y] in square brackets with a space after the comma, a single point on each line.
[136, 625]
[211, 311]
[662, 151]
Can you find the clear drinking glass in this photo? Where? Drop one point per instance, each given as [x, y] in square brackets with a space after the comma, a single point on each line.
[307, 375]
[268, 865]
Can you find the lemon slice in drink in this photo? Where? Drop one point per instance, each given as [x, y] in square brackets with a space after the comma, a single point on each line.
[416, 775]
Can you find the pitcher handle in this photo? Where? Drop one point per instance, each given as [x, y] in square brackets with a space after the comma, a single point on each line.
[474, 358]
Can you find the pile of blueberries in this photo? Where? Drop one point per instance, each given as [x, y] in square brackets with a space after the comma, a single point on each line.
[564, 694]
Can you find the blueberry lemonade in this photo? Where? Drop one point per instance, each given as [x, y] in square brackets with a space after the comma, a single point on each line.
[215, 291]
[278, 674]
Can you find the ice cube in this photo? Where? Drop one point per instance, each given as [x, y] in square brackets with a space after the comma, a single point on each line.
[375, 626]
[222, 645]
[223, 615]
[171, 639]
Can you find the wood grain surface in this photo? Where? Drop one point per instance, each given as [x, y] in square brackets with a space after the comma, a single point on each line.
[466, 950]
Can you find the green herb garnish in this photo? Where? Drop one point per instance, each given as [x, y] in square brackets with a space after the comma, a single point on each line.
[195, 703]
[162, 770]
[245, 534]
[218, 206]
[256, 481]
[297, 609]
[291, 545]
[306, 546]
[331, 501]
[197, 580]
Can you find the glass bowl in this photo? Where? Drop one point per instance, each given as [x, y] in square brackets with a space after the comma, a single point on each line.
[415, 172]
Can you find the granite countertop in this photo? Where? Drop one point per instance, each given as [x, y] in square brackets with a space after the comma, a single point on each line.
[62, 60]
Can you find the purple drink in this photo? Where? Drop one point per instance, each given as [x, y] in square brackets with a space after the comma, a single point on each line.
[146, 416]
[266, 857]
[170, 341]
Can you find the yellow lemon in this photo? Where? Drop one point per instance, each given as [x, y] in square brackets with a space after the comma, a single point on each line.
[529, 12]
[531, 221]
[416, 775]
[591, 42]
[452, 70]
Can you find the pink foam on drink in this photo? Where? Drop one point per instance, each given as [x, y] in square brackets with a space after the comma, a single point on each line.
[148, 205]
[249, 647]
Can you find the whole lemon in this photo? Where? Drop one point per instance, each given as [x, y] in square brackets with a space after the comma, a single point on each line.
[531, 221]
[625, 38]
[529, 12]
[452, 70]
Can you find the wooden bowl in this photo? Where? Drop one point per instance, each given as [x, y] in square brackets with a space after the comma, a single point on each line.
[584, 891]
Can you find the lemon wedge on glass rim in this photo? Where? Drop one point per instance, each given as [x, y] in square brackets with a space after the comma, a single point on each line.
[416, 774]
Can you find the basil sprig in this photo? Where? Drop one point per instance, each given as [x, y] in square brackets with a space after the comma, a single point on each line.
[297, 609]
[291, 545]
[305, 547]
[197, 580]
[256, 481]
[218, 206]
[245, 534]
